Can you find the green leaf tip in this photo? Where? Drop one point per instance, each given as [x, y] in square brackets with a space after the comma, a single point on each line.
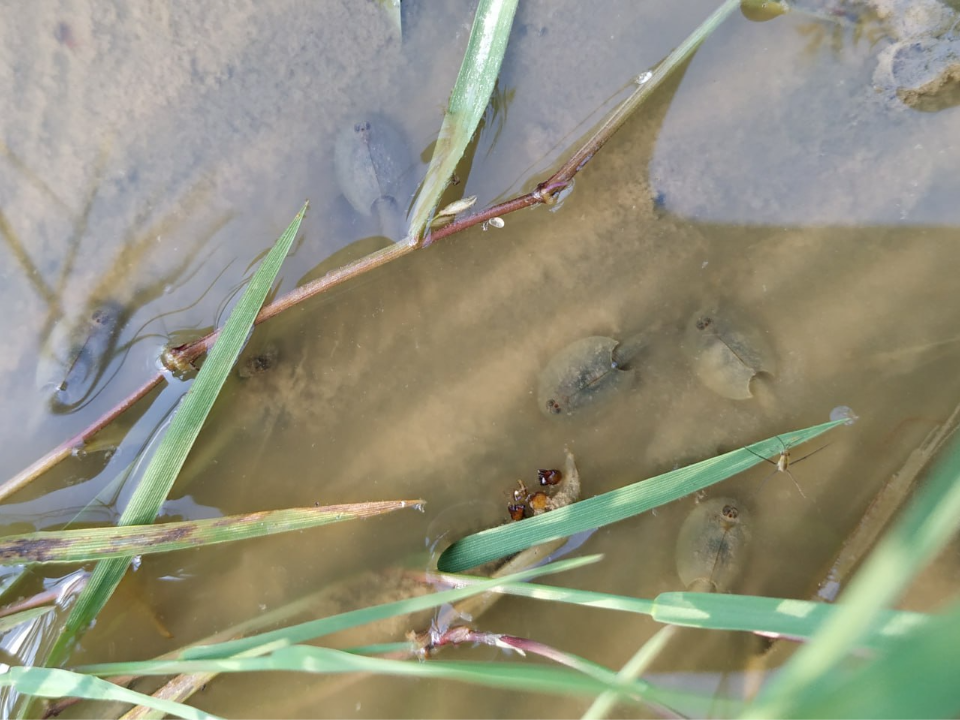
[618, 504]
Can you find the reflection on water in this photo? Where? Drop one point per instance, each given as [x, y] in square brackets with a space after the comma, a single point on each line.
[766, 178]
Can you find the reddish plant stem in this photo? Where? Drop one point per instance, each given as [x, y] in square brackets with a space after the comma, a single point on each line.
[68, 447]
[181, 359]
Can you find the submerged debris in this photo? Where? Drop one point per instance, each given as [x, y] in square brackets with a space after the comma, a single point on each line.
[560, 488]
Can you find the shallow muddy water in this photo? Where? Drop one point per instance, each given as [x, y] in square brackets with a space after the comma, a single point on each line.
[157, 151]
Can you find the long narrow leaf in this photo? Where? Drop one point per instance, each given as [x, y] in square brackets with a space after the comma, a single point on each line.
[616, 505]
[72, 546]
[11, 621]
[505, 675]
[468, 102]
[266, 642]
[56, 683]
[797, 619]
[184, 428]
[302, 658]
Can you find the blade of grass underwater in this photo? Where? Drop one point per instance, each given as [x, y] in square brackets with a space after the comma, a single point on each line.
[181, 434]
[505, 675]
[468, 102]
[11, 621]
[72, 546]
[302, 658]
[572, 596]
[925, 526]
[618, 504]
[55, 683]
[304, 632]
[711, 611]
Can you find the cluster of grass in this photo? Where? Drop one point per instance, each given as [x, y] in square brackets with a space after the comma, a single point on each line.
[860, 658]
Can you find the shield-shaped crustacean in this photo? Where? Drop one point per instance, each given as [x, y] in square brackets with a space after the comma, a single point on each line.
[587, 371]
[712, 545]
[727, 352]
[373, 163]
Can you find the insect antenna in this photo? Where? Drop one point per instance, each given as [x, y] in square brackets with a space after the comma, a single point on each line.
[783, 463]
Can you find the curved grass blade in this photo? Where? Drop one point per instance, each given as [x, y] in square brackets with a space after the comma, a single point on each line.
[173, 449]
[73, 546]
[55, 683]
[618, 504]
[468, 102]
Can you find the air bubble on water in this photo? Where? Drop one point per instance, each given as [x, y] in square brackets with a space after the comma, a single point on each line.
[842, 412]
[136, 562]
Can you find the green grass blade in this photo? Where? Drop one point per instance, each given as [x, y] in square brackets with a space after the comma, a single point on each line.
[799, 619]
[11, 621]
[266, 642]
[776, 616]
[925, 526]
[72, 546]
[634, 668]
[301, 658]
[591, 680]
[468, 102]
[616, 505]
[55, 683]
[916, 677]
[179, 438]
[571, 596]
